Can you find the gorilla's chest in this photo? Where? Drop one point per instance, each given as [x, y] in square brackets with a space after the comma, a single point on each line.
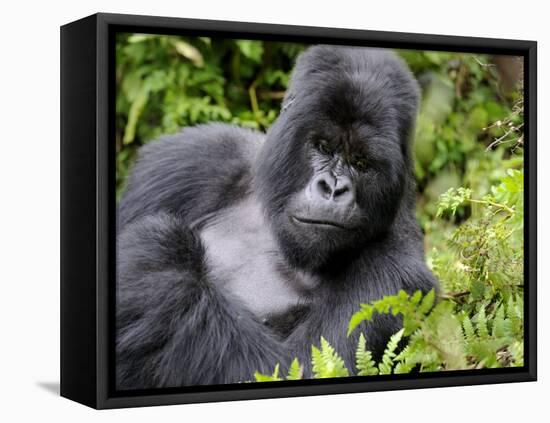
[244, 260]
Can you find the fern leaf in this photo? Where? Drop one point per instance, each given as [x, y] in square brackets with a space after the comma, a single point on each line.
[481, 323]
[405, 360]
[516, 350]
[416, 297]
[386, 365]
[274, 377]
[365, 313]
[502, 327]
[403, 367]
[427, 303]
[317, 362]
[363, 359]
[326, 362]
[468, 327]
[514, 312]
[296, 371]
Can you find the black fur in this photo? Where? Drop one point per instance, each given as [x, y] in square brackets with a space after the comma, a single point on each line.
[179, 321]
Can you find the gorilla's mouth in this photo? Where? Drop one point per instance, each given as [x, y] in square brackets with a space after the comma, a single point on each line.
[317, 222]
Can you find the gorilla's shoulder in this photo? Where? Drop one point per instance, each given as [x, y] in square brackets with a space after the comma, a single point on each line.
[156, 243]
[191, 173]
[209, 141]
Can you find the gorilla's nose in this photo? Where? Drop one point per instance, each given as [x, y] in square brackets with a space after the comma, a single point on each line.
[327, 187]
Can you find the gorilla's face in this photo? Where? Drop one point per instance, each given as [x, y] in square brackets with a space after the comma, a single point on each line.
[349, 191]
[332, 174]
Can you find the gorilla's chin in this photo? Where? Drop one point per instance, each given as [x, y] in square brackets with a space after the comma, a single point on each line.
[311, 243]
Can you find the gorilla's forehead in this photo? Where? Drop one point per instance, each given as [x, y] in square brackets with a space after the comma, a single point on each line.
[351, 84]
[352, 101]
[354, 119]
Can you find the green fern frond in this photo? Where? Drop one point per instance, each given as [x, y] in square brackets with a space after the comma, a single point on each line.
[274, 377]
[481, 323]
[386, 364]
[468, 327]
[403, 367]
[413, 309]
[364, 362]
[326, 362]
[502, 327]
[514, 312]
[427, 303]
[516, 350]
[296, 371]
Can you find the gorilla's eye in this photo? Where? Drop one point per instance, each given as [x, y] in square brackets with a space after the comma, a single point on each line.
[324, 147]
[359, 164]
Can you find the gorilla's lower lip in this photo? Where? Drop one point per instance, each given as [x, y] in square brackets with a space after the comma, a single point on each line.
[318, 222]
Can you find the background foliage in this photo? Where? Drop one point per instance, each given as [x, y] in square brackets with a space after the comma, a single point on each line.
[165, 83]
[468, 166]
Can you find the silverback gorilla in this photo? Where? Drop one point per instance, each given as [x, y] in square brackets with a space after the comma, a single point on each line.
[237, 251]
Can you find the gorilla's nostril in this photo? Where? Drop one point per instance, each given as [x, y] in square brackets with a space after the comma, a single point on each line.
[341, 191]
[325, 188]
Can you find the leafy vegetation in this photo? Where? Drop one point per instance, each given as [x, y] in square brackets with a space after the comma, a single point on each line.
[468, 166]
[165, 83]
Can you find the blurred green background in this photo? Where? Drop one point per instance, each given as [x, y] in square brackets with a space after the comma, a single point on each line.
[468, 152]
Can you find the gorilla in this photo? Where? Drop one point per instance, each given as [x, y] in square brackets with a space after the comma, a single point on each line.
[238, 250]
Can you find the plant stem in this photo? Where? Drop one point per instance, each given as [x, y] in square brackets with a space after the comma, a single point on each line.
[492, 203]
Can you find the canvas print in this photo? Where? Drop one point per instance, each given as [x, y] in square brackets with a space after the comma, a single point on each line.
[290, 211]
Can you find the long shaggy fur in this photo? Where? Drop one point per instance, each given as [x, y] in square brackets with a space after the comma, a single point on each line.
[175, 326]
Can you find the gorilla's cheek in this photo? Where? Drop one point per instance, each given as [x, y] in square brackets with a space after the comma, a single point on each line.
[379, 200]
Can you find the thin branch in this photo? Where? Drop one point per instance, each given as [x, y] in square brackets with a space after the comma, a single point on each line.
[254, 100]
[485, 65]
[452, 295]
[492, 203]
[272, 95]
[503, 137]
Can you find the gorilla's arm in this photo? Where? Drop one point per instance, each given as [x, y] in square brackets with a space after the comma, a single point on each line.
[175, 327]
[383, 269]
[191, 174]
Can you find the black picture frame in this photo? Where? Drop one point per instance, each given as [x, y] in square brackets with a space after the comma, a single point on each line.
[88, 209]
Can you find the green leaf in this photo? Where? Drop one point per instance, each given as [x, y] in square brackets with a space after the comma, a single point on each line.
[296, 371]
[427, 302]
[481, 323]
[363, 359]
[135, 111]
[386, 364]
[516, 350]
[502, 327]
[477, 289]
[417, 296]
[448, 337]
[189, 52]
[326, 362]
[274, 377]
[251, 49]
[360, 316]
[469, 331]
[139, 38]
